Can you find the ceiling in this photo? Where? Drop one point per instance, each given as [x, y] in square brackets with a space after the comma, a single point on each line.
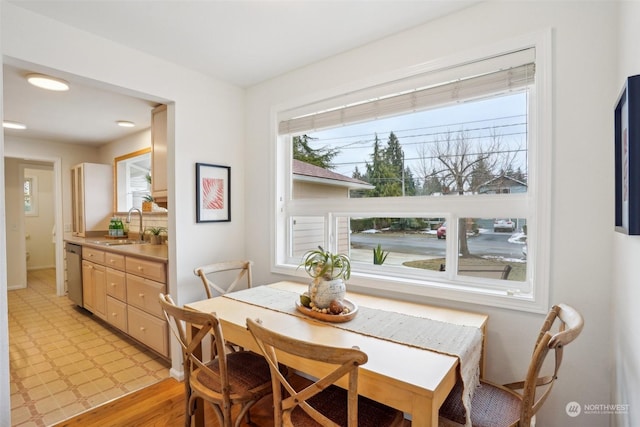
[240, 41]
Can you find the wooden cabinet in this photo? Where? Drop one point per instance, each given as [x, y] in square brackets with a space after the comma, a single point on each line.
[145, 280]
[123, 290]
[94, 288]
[117, 298]
[91, 198]
[149, 330]
[159, 153]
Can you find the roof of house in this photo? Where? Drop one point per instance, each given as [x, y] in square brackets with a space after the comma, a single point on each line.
[499, 180]
[307, 172]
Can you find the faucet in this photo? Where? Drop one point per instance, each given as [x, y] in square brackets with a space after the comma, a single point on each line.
[140, 233]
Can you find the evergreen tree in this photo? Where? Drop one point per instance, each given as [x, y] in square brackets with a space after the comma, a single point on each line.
[358, 175]
[321, 157]
[432, 184]
[480, 174]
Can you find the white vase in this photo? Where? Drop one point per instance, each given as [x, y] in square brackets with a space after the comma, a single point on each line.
[322, 292]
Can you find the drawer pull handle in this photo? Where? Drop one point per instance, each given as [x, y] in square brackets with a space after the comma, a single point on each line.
[140, 268]
[141, 295]
[142, 328]
[113, 285]
[114, 314]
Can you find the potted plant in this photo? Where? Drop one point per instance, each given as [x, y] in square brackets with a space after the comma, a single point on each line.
[155, 233]
[329, 272]
[147, 203]
[379, 255]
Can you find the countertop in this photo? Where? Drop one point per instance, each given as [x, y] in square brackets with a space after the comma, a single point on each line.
[145, 250]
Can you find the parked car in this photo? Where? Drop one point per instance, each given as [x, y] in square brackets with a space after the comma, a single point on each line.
[441, 232]
[502, 224]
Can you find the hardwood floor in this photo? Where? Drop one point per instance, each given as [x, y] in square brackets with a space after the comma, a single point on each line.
[161, 405]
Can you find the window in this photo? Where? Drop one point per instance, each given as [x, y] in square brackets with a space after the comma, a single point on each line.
[425, 169]
[31, 196]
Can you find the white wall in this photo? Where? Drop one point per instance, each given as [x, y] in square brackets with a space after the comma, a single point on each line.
[126, 145]
[39, 228]
[626, 252]
[581, 205]
[14, 233]
[5, 403]
[70, 155]
[209, 127]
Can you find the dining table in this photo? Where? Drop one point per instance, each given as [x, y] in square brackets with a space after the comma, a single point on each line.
[410, 376]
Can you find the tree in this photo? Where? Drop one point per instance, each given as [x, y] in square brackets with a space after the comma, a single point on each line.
[432, 184]
[380, 173]
[480, 174]
[462, 165]
[386, 171]
[321, 157]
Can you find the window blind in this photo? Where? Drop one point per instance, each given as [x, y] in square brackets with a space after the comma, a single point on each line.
[480, 80]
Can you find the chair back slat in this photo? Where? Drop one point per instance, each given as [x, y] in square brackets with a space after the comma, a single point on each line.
[569, 324]
[243, 269]
[346, 361]
[179, 319]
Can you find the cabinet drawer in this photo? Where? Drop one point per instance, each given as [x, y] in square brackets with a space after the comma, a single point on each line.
[116, 284]
[143, 293]
[114, 260]
[149, 330]
[150, 269]
[93, 255]
[117, 313]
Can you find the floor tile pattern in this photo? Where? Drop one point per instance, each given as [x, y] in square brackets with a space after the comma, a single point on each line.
[63, 361]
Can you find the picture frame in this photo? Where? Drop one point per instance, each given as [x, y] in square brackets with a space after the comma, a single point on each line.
[627, 158]
[213, 193]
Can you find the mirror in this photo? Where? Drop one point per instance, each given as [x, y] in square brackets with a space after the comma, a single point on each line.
[132, 174]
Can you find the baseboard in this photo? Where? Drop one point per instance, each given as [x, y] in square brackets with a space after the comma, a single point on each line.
[177, 374]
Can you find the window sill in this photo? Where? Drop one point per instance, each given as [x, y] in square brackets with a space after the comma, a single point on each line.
[426, 291]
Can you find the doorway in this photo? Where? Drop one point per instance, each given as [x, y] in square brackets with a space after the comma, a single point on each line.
[33, 219]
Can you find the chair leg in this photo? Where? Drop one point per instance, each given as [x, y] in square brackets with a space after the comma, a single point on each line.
[187, 409]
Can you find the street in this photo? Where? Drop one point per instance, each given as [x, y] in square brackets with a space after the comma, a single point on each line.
[487, 243]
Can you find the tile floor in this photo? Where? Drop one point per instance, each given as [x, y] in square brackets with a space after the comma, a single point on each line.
[63, 361]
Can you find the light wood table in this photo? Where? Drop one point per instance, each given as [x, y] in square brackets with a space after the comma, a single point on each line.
[411, 379]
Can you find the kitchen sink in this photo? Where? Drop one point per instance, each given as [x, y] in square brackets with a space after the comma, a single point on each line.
[119, 242]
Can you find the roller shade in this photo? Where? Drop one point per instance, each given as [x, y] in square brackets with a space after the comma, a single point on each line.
[505, 79]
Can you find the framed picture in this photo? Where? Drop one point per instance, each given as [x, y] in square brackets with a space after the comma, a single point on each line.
[627, 158]
[213, 193]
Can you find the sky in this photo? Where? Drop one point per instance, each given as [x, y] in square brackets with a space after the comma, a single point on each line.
[504, 115]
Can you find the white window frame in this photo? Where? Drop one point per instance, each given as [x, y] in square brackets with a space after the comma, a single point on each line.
[533, 205]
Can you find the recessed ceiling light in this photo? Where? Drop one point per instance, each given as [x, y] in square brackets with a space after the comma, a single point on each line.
[7, 124]
[125, 123]
[48, 82]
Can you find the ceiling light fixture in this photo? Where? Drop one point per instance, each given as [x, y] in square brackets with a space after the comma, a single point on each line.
[125, 123]
[8, 124]
[48, 82]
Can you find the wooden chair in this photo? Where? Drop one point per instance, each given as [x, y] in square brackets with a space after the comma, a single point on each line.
[500, 405]
[239, 378]
[243, 269]
[321, 403]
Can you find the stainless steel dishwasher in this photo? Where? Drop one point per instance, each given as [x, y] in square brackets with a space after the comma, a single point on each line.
[74, 272]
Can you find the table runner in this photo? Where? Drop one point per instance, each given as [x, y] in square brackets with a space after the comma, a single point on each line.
[464, 342]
